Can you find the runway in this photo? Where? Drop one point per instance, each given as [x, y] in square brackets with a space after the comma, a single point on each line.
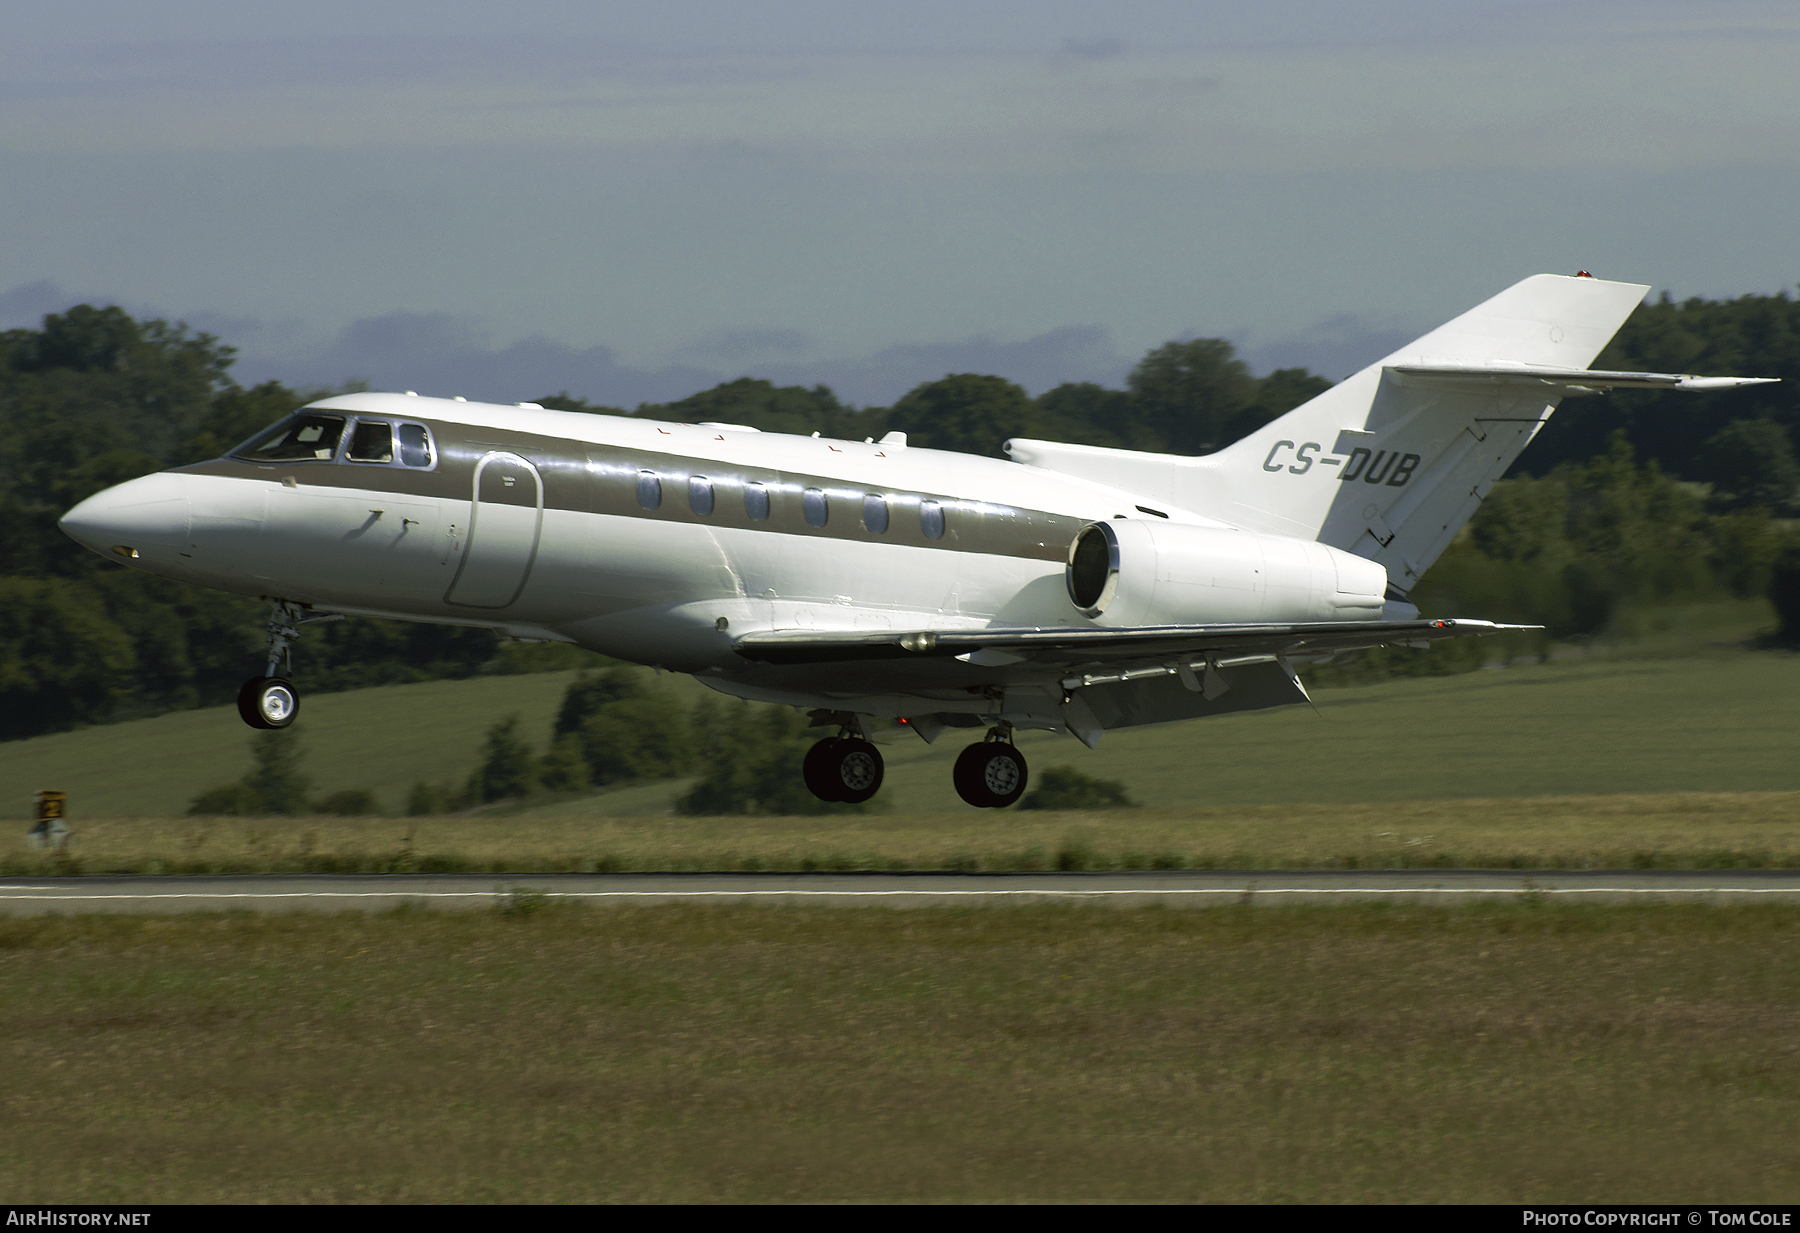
[1186, 889]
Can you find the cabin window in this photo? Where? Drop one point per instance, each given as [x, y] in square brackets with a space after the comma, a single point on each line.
[756, 502]
[373, 441]
[931, 519]
[875, 513]
[700, 495]
[415, 445]
[813, 504]
[649, 490]
[299, 438]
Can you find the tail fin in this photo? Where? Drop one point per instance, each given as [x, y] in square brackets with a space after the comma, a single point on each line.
[1399, 462]
[1390, 464]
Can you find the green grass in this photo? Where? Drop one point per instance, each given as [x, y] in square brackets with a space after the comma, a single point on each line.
[384, 738]
[1718, 721]
[1508, 1053]
[1671, 830]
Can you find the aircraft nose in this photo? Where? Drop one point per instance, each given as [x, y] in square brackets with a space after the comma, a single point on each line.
[150, 513]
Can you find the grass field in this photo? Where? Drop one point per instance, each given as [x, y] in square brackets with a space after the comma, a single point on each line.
[1500, 1054]
[1688, 760]
[1723, 723]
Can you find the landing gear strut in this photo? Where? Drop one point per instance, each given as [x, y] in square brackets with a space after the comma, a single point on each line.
[270, 701]
[991, 774]
[846, 767]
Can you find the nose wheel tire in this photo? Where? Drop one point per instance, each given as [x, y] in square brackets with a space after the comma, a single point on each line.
[846, 769]
[268, 702]
[990, 775]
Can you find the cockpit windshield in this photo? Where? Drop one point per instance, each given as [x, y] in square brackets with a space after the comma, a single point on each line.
[308, 437]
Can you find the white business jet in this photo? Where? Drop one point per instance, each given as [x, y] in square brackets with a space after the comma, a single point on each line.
[1072, 588]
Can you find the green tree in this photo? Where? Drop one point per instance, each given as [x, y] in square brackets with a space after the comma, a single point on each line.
[236, 414]
[1524, 520]
[1749, 463]
[592, 691]
[1745, 547]
[280, 786]
[1175, 384]
[428, 798]
[351, 803]
[1064, 787]
[772, 408]
[1751, 336]
[61, 659]
[749, 761]
[1784, 592]
[1088, 414]
[237, 800]
[644, 737]
[1639, 532]
[1185, 394]
[275, 784]
[507, 768]
[623, 729]
[565, 768]
[1273, 397]
[966, 412]
[93, 380]
[565, 401]
[363, 651]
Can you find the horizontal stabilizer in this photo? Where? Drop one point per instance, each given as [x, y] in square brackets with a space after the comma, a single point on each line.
[1147, 644]
[1569, 379]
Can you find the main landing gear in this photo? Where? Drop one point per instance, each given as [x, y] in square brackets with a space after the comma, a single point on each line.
[991, 774]
[846, 767]
[270, 701]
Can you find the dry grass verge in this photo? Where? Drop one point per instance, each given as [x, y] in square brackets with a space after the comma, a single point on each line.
[1745, 830]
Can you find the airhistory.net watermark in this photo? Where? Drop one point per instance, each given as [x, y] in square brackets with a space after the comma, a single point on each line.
[49, 1218]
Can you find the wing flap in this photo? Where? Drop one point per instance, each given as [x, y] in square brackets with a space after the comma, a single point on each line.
[1095, 645]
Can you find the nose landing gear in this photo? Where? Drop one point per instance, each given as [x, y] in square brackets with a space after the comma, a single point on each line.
[991, 774]
[270, 701]
[846, 767]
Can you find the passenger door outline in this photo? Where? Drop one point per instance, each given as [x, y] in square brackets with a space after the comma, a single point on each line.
[502, 542]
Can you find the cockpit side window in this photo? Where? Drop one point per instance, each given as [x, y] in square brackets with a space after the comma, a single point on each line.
[306, 437]
[373, 441]
[415, 445]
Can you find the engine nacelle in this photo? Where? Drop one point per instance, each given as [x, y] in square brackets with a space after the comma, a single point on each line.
[1135, 571]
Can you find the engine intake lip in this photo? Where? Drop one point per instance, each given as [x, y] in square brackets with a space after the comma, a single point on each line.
[1093, 569]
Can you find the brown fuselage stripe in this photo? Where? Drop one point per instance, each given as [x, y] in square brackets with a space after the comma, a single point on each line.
[602, 479]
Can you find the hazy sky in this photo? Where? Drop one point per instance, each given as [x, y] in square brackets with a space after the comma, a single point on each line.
[637, 200]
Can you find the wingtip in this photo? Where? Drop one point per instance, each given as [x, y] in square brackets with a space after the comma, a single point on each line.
[1723, 383]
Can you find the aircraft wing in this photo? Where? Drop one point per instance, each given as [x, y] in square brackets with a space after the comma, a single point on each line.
[1116, 647]
[1571, 378]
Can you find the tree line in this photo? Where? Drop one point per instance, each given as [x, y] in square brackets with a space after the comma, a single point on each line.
[95, 397]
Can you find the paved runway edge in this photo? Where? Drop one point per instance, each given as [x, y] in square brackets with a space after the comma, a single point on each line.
[334, 893]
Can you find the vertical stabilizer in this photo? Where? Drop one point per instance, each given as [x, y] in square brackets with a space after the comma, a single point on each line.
[1389, 465]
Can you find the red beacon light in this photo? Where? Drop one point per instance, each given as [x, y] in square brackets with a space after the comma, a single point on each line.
[1582, 274]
